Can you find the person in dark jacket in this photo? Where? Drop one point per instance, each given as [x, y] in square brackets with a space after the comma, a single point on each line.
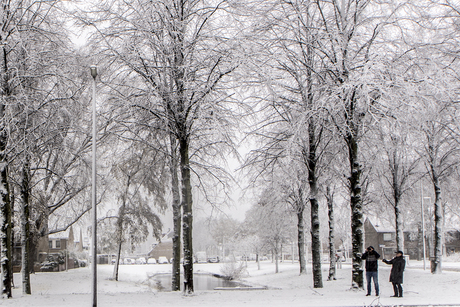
[371, 257]
[396, 275]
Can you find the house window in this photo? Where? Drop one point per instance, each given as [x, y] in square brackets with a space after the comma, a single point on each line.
[58, 243]
[387, 237]
[50, 243]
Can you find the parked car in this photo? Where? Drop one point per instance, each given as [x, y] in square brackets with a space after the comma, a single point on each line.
[140, 260]
[250, 257]
[114, 260]
[128, 261]
[201, 257]
[162, 260]
[213, 259]
[151, 261]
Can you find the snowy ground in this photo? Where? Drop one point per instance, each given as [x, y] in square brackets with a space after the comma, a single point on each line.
[287, 288]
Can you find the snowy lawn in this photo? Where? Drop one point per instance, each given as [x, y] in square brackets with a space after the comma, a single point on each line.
[287, 288]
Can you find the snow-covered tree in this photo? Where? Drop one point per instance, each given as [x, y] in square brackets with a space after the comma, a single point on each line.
[137, 179]
[348, 31]
[33, 47]
[398, 169]
[272, 220]
[179, 51]
[290, 68]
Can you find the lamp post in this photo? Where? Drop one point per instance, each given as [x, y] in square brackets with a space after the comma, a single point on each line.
[93, 190]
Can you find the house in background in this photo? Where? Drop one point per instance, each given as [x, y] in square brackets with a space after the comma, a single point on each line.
[50, 245]
[57, 244]
[382, 236]
[164, 248]
[47, 246]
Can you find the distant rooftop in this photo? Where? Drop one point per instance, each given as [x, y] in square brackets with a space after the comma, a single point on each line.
[380, 225]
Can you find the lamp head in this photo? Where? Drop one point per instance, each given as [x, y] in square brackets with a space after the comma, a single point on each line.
[93, 71]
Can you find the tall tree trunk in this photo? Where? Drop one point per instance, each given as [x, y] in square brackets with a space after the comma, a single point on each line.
[120, 222]
[25, 237]
[5, 228]
[397, 197]
[312, 161]
[314, 207]
[180, 123]
[187, 214]
[177, 215]
[356, 205]
[276, 256]
[12, 199]
[301, 237]
[436, 263]
[316, 244]
[117, 263]
[281, 252]
[399, 227]
[5, 205]
[332, 258]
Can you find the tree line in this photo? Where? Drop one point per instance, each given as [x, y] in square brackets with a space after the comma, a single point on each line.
[332, 96]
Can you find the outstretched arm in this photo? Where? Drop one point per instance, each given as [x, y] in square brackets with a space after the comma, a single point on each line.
[388, 261]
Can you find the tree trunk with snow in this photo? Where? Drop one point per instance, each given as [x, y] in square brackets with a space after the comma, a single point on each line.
[399, 226]
[187, 214]
[25, 229]
[332, 258]
[119, 236]
[117, 263]
[316, 244]
[276, 256]
[12, 199]
[301, 238]
[357, 226]
[399, 176]
[5, 205]
[177, 216]
[5, 227]
[314, 206]
[356, 204]
[437, 261]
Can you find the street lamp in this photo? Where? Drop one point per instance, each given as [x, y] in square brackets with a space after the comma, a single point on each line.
[423, 232]
[93, 190]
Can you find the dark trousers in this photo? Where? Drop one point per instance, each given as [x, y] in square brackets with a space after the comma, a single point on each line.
[398, 290]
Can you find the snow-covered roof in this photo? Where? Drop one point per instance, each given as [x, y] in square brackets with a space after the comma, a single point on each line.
[165, 237]
[380, 225]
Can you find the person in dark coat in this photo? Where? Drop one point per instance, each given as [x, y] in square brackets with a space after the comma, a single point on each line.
[371, 257]
[396, 275]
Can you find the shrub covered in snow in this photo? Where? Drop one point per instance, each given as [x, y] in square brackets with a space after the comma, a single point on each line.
[233, 270]
[51, 263]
